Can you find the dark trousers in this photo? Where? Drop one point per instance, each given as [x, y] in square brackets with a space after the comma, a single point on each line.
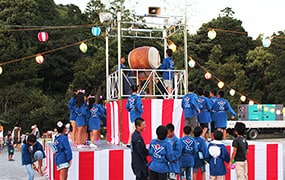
[157, 176]
[141, 176]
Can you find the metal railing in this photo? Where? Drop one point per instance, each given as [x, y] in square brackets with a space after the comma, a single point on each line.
[150, 83]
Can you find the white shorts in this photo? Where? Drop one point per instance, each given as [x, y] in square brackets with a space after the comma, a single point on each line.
[62, 166]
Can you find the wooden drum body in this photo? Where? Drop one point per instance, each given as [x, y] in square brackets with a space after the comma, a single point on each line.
[144, 57]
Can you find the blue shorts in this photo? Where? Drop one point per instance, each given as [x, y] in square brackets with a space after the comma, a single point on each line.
[80, 122]
[62, 166]
[202, 169]
[72, 117]
[185, 172]
[94, 124]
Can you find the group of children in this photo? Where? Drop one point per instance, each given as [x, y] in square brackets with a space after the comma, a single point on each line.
[206, 108]
[85, 116]
[33, 153]
[172, 156]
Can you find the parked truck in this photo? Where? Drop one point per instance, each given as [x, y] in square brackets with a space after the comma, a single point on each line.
[259, 119]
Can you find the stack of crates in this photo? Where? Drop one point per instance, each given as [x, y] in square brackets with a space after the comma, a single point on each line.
[260, 112]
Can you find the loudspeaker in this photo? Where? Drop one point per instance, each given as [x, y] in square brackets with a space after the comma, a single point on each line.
[154, 10]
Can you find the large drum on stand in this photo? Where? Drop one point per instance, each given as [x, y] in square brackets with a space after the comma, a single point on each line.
[145, 57]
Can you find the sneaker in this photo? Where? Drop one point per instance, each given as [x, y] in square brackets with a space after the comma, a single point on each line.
[93, 146]
[81, 146]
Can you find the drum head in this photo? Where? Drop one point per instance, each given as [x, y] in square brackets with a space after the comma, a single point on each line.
[153, 58]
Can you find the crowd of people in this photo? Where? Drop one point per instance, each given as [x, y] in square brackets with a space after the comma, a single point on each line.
[172, 156]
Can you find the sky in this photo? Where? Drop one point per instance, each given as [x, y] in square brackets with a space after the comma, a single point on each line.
[257, 16]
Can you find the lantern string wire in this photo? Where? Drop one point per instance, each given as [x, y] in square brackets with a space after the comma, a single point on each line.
[219, 80]
[15, 28]
[261, 35]
[46, 52]
[228, 31]
[11, 28]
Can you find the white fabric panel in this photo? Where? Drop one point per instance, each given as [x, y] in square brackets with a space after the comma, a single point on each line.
[73, 170]
[176, 116]
[101, 165]
[156, 116]
[260, 161]
[128, 172]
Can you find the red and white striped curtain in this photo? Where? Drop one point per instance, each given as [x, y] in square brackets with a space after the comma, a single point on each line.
[156, 112]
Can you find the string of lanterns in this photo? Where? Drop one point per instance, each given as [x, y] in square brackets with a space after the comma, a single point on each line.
[266, 40]
[43, 37]
[208, 75]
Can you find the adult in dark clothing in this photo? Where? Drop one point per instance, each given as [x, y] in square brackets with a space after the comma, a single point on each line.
[139, 151]
[127, 84]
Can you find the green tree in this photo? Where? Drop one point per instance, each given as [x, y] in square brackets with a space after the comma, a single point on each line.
[259, 73]
[276, 86]
[224, 56]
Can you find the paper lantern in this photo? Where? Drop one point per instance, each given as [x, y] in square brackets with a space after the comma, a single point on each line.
[212, 34]
[265, 109]
[232, 92]
[251, 102]
[39, 59]
[1, 70]
[278, 112]
[208, 75]
[42, 36]
[83, 47]
[172, 47]
[221, 84]
[266, 42]
[191, 63]
[242, 98]
[96, 31]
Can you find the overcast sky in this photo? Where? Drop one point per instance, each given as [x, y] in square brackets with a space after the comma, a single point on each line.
[258, 16]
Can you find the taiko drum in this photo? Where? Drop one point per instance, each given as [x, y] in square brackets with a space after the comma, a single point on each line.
[144, 57]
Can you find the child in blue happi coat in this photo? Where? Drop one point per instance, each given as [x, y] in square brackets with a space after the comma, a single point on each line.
[201, 155]
[160, 151]
[176, 147]
[188, 149]
[218, 155]
[63, 154]
[135, 108]
[220, 109]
